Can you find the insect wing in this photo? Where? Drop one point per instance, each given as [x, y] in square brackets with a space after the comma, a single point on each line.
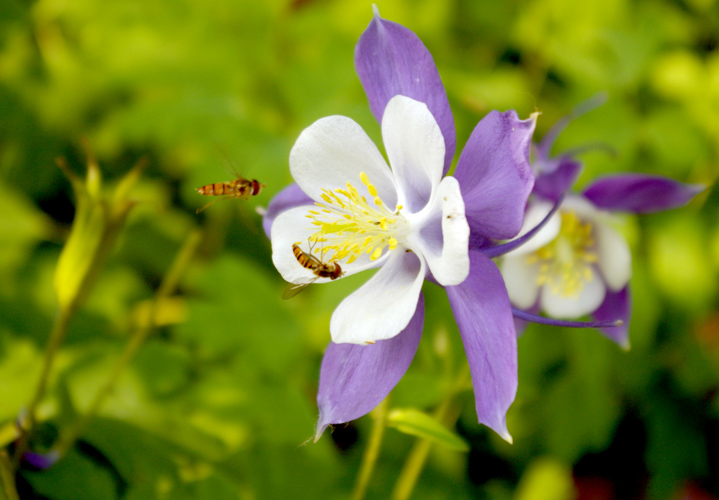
[293, 289]
[244, 185]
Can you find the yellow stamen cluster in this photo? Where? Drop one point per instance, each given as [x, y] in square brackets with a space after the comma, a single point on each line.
[348, 226]
[566, 262]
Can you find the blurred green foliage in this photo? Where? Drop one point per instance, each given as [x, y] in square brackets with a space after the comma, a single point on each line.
[220, 399]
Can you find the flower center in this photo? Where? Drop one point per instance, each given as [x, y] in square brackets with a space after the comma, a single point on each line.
[349, 226]
[566, 262]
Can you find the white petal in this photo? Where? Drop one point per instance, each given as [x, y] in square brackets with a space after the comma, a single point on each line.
[521, 280]
[615, 258]
[446, 252]
[383, 306]
[293, 226]
[536, 212]
[333, 151]
[415, 148]
[586, 211]
[588, 300]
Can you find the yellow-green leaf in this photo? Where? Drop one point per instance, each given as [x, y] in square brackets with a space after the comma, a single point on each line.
[417, 423]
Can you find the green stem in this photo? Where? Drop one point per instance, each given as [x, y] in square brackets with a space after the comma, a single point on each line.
[59, 331]
[167, 287]
[369, 460]
[447, 413]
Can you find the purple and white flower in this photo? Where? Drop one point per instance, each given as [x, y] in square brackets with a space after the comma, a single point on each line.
[578, 263]
[411, 223]
[406, 221]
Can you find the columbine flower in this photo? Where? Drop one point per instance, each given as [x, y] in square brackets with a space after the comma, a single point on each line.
[578, 264]
[410, 222]
[407, 220]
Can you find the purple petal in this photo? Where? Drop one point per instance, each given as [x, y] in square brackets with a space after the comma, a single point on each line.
[640, 193]
[553, 185]
[616, 305]
[391, 60]
[290, 197]
[484, 317]
[356, 378]
[494, 174]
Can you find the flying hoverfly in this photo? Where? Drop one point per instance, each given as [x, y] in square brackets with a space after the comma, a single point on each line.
[331, 270]
[241, 188]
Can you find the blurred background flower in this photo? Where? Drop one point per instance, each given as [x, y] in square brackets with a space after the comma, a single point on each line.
[217, 400]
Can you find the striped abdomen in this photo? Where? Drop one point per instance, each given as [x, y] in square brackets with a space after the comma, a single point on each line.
[238, 188]
[319, 268]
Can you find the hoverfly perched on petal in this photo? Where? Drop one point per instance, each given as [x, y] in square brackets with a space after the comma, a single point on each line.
[241, 188]
[331, 270]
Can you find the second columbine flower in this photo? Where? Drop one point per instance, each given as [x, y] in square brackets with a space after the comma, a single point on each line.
[578, 263]
[407, 220]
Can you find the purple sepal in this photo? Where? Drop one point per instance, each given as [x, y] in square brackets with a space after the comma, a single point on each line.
[640, 193]
[391, 60]
[356, 378]
[616, 305]
[40, 461]
[484, 317]
[290, 197]
[552, 182]
[494, 174]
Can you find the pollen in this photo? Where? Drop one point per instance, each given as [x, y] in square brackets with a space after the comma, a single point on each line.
[566, 263]
[349, 226]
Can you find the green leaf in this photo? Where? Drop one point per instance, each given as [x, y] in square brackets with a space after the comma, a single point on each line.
[417, 423]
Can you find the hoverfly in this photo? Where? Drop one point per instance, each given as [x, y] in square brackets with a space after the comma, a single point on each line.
[241, 188]
[331, 270]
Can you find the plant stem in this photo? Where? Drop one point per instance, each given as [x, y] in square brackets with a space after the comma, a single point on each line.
[369, 460]
[59, 331]
[447, 413]
[168, 285]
